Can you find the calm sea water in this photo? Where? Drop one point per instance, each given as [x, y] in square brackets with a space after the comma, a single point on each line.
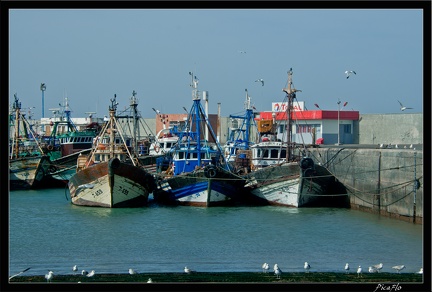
[47, 232]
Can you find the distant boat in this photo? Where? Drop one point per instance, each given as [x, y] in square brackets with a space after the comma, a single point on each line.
[111, 175]
[197, 173]
[71, 142]
[28, 159]
[281, 176]
[240, 135]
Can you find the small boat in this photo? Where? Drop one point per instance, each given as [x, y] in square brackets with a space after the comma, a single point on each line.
[111, 175]
[28, 158]
[282, 173]
[197, 173]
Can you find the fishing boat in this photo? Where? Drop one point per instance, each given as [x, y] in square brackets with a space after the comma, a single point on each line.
[111, 175]
[240, 137]
[71, 142]
[197, 173]
[283, 173]
[29, 160]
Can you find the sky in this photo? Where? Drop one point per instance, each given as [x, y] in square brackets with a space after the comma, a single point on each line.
[88, 55]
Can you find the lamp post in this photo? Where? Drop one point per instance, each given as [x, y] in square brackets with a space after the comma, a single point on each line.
[43, 88]
[339, 102]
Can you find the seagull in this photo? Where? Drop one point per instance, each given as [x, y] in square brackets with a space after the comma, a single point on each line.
[84, 273]
[421, 271]
[265, 267]
[19, 273]
[372, 270]
[91, 274]
[149, 280]
[347, 268]
[378, 267]
[132, 272]
[49, 276]
[277, 271]
[398, 268]
[242, 52]
[188, 271]
[307, 267]
[348, 73]
[359, 271]
[260, 80]
[402, 108]
[75, 268]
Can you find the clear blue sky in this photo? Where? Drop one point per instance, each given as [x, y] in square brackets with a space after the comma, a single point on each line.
[90, 55]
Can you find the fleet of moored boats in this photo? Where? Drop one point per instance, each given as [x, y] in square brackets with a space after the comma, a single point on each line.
[108, 167]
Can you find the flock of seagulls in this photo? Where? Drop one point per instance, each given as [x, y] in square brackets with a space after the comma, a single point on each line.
[372, 269]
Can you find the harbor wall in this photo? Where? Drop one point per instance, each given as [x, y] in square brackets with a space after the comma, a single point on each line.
[383, 181]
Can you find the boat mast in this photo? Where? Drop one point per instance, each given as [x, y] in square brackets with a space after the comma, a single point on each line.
[134, 104]
[291, 94]
[196, 100]
[112, 111]
[16, 107]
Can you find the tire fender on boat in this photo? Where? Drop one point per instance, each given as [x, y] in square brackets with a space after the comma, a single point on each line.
[114, 163]
[306, 163]
[210, 171]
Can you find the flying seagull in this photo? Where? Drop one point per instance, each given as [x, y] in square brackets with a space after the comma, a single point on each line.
[19, 273]
[265, 267]
[260, 80]
[75, 268]
[242, 52]
[348, 73]
[91, 274]
[402, 108]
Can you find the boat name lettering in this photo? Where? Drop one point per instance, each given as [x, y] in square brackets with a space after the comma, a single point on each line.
[124, 191]
[97, 193]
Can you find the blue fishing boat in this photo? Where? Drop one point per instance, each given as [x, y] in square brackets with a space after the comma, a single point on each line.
[197, 173]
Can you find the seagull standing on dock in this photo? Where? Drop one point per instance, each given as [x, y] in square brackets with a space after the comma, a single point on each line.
[188, 271]
[359, 271]
[23, 271]
[91, 274]
[277, 271]
[132, 272]
[307, 267]
[149, 280]
[347, 268]
[398, 268]
[49, 276]
[349, 72]
[75, 268]
[378, 267]
[372, 270]
[265, 267]
[421, 271]
[402, 107]
[260, 80]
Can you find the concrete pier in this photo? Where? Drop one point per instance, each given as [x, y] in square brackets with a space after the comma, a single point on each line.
[384, 181]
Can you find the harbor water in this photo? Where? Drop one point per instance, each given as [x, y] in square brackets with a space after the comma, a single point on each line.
[47, 232]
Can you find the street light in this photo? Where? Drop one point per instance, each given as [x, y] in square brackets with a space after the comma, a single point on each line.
[339, 102]
[43, 88]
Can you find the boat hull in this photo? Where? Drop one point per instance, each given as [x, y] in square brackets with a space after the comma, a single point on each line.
[195, 189]
[28, 172]
[111, 184]
[288, 185]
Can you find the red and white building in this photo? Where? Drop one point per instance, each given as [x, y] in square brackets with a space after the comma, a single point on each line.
[313, 126]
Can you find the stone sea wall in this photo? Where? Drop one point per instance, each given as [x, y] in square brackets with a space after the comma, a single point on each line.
[384, 181]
